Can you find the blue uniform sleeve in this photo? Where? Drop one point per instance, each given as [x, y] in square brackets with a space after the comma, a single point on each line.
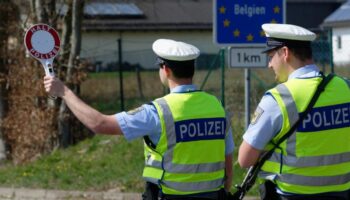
[266, 123]
[140, 122]
[229, 143]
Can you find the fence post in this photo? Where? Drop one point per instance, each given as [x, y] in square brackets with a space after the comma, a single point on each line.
[209, 70]
[330, 42]
[222, 65]
[120, 63]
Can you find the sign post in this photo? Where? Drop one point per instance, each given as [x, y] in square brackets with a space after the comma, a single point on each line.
[237, 24]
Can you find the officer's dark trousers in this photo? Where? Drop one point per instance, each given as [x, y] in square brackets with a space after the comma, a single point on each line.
[152, 193]
[326, 196]
[268, 192]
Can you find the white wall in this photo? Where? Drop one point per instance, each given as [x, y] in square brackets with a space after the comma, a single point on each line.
[137, 46]
[341, 56]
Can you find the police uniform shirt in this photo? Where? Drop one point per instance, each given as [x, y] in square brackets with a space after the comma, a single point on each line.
[145, 121]
[267, 120]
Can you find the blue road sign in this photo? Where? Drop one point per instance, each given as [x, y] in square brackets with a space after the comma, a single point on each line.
[238, 22]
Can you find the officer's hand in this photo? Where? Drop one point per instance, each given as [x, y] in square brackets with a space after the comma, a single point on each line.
[54, 86]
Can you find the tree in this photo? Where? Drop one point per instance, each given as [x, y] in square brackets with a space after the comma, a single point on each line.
[9, 16]
[33, 124]
[72, 27]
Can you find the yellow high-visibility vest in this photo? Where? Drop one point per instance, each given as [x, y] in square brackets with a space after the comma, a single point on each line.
[316, 158]
[190, 155]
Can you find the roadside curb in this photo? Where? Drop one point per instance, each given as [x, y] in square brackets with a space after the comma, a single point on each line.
[42, 194]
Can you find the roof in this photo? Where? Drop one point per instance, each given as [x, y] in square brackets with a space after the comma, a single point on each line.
[157, 14]
[341, 17]
[111, 9]
[144, 15]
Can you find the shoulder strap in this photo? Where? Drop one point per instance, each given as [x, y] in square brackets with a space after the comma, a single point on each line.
[149, 142]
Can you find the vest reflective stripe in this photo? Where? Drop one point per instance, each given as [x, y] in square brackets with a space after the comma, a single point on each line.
[288, 100]
[197, 168]
[179, 168]
[311, 161]
[154, 163]
[308, 180]
[168, 157]
[293, 115]
[314, 180]
[170, 130]
[193, 186]
[151, 180]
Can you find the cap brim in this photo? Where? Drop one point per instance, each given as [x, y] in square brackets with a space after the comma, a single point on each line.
[159, 61]
[271, 48]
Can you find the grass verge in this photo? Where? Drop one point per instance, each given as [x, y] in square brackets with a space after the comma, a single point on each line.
[100, 163]
[97, 164]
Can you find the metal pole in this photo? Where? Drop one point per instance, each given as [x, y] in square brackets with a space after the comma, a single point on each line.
[120, 75]
[330, 42]
[247, 97]
[210, 70]
[222, 65]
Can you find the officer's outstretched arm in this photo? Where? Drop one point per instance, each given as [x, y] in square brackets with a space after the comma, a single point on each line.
[91, 118]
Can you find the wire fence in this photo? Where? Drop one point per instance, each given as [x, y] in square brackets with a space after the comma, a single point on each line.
[211, 75]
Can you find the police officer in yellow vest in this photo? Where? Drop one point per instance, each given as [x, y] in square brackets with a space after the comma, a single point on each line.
[314, 162]
[187, 136]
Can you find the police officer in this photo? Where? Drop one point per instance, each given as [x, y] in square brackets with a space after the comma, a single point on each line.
[314, 162]
[188, 139]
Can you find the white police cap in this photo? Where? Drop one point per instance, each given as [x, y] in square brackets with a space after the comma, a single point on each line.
[288, 31]
[175, 50]
[286, 35]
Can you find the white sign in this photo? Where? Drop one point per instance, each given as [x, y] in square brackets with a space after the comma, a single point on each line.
[43, 43]
[247, 57]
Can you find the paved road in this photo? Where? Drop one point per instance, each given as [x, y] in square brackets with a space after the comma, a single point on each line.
[40, 194]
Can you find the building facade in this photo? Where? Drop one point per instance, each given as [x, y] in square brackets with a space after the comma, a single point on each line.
[138, 23]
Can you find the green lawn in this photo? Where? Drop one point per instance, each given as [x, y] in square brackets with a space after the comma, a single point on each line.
[100, 163]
